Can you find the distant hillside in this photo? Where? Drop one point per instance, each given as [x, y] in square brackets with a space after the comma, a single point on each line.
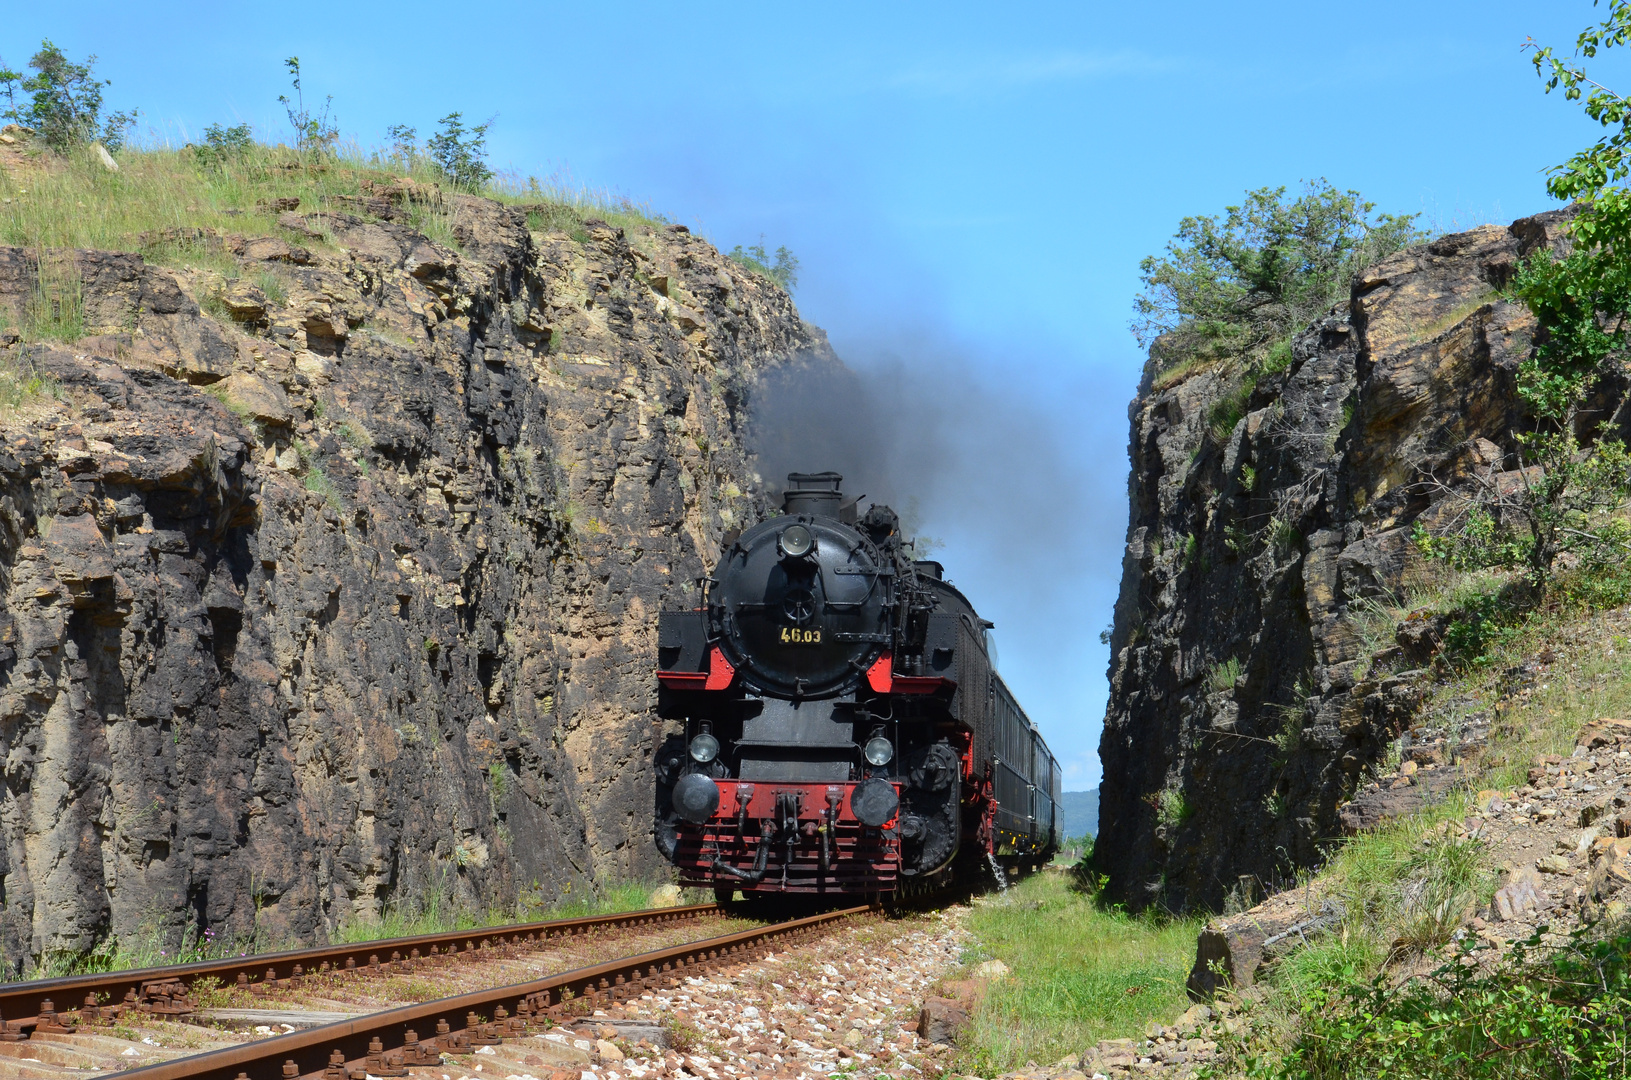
[1080, 810]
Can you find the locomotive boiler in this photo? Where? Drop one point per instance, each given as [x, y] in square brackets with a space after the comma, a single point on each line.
[845, 730]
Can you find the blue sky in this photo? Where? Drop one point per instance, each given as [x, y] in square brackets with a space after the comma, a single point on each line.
[969, 188]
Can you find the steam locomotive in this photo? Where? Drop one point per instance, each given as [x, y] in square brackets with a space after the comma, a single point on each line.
[845, 728]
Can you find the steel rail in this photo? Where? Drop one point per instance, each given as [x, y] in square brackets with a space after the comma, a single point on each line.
[388, 1043]
[40, 1004]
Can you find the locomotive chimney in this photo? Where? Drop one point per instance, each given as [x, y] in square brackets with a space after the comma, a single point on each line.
[816, 494]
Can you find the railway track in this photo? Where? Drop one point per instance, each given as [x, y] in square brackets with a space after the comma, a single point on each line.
[60, 1006]
[391, 1043]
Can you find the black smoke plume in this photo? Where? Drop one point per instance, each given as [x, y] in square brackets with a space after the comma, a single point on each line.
[1028, 504]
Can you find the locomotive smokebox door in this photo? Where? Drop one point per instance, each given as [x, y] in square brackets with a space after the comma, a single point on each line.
[803, 602]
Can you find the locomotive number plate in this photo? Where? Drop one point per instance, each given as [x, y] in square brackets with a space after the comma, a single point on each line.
[792, 635]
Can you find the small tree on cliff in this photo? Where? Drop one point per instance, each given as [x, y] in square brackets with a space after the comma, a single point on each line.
[315, 133]
[461, 152]
[1238, 286]
[1229, 294]
[1569, 494]
[64, 103]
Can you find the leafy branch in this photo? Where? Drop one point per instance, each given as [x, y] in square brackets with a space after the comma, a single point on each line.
[315, 132]
[1567, 496]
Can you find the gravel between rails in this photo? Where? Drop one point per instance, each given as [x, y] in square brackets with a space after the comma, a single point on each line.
[845, 1003]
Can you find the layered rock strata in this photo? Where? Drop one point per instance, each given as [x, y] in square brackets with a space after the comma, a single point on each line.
[329, 577]
[1250, 688]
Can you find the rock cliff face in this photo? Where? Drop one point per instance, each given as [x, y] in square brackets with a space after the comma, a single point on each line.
[330, 578]
[1244, 702]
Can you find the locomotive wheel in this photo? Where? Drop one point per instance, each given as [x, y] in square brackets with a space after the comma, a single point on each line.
[724, 895]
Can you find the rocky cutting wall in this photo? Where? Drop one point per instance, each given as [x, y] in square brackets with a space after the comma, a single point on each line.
[1244, 704]
[341, 590]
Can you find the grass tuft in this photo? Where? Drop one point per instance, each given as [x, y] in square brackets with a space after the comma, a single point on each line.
[1223, 675]
[21, 384]
[56, 310]
[438, 914]
[319, 483]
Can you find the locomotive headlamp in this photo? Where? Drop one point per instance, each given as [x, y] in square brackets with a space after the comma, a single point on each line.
[879, 750]
[796, 541]
[704, 748]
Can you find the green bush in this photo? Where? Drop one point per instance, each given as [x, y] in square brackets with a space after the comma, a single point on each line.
[1483, 620]
[1595, 588]
[221, 145]
[1239, 287]
[1549, 1014]
[456, 152]
[460, 152]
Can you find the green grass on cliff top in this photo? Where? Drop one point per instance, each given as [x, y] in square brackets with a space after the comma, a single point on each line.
[1078, 974]
[162, 195]
[48, 201]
